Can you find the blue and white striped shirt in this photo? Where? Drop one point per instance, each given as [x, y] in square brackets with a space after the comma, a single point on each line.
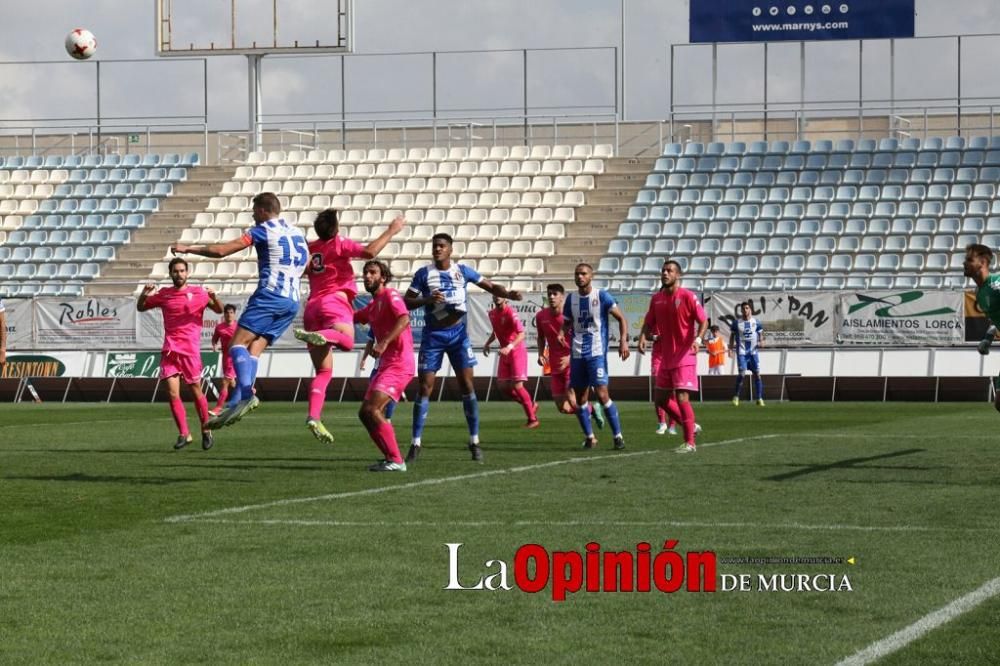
[452, 282]
[747, 333]
[588, 315]
[282, 255]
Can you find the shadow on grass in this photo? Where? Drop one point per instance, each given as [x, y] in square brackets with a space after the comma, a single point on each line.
[847, 463]
[129, 480]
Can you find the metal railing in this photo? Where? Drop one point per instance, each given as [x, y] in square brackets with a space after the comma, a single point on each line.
[304, 132]
[791, 121]
[82, 136]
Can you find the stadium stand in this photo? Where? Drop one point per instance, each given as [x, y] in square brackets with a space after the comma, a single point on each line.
[813, 215]
[781, 215]
[64, 218]
[505, 206]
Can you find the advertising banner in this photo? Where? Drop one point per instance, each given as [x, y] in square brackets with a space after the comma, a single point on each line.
[18, 314]
[799, 20]
[147, 364]
[901, 318]
[85, 323]
[56, 364]
[790, 318]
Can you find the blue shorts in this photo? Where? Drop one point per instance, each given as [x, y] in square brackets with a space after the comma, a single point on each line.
[749, 362]
[268, 316]
[453, 341]
[591, 371]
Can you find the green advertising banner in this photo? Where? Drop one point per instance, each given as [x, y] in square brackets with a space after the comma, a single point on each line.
[147, 364]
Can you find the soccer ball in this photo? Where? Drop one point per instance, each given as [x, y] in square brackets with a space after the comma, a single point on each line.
[81, 43]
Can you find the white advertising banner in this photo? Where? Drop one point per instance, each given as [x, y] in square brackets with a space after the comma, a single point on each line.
[85, 323]
[18, 314]
[790, 318]
[913, 317]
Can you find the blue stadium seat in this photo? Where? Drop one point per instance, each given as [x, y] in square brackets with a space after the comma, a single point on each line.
[738, 148]
[618, 247]
[89, 271]
[664, 165]
[149, 205]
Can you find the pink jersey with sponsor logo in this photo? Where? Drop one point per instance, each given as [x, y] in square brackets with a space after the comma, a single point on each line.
[550, 325]
[183, 310]
[676, 316]
[330, 267]
[382, 314]
[223, 335]
[506, 325]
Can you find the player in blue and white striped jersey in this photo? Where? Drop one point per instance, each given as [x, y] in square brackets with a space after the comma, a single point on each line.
[746, 339]
[441, 288]
[585, 319]
[282, 255]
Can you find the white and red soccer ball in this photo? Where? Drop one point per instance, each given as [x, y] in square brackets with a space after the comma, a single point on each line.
[81, 43]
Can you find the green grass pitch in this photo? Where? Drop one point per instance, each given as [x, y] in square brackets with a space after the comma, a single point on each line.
[96, 566]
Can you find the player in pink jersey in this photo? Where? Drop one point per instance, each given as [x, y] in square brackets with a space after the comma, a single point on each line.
[676, 313]
[390, 321]
[549, 325]
[329, 313]
[512, 369]
[183, 307]
[222, 336]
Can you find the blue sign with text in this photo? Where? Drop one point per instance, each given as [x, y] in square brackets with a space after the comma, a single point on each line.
[799, 20]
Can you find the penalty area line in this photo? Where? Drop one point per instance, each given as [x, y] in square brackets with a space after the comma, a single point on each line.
[430, 482]
[927, 623]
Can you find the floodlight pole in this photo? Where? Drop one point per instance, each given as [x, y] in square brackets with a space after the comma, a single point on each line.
[255, 137]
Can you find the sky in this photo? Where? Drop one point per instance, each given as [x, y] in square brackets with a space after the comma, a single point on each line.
[570, 60]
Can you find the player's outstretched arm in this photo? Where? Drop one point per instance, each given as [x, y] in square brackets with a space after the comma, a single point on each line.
[216, 251]
[377, 245]
[140, 304]
[214, 304]
[499, 290]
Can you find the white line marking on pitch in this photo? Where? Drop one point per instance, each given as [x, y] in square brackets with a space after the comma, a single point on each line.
[60, 424]
[431, 482]
[927, 623]
[591, 523]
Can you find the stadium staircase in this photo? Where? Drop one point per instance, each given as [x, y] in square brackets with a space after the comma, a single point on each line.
[149, 244]
[598, 220]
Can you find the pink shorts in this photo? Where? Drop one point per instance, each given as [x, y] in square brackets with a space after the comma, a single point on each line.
[188, 366]
[228, 369]
[560, 382]
[684, 378]
[514, 366]
[657, 361]
[389, 381]
[325, 311]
